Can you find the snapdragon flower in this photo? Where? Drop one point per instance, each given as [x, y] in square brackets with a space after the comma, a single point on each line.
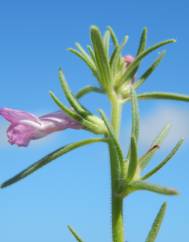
[25, 126]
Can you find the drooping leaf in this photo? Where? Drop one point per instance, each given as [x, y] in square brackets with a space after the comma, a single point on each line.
[144, 160]
[75, 235]
[47, 159]
[156, 224]
[164, 161]
[164, 95]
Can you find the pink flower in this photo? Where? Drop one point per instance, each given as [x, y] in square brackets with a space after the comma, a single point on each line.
[25, 126]
[129, 59]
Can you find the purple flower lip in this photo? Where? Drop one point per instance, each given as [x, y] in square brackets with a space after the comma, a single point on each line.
[25, 126]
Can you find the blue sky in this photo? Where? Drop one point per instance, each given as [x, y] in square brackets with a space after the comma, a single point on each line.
[75, 189]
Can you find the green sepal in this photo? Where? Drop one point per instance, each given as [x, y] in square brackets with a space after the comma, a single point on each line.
[164, 161]
[144, 160]
[88, 89]
[132, 67]
[133, 160]
[70, 97]
[47, 159]
[75, 235]
[164, 95]
[156, 224]
[149, 71]
[101, 57]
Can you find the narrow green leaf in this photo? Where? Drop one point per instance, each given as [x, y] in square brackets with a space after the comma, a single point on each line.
[132, 67]
[106, 40]
[142, 43]
[92, 54]
[112, 135]
[113, 36]
[64, 108]
[102, 61]
[75, 235]
[135, 115]
[164, 95]
[140, 185]
[88, 89]
[47, 159]
[144, 160]
[164, 161]
[133, 160]
[116, 56]
[135, 118]
[115, 143]
[149, 71]
[156, 224]
[70, 97]
[86, 59]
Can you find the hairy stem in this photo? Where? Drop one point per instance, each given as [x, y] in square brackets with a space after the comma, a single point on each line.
[117, 202]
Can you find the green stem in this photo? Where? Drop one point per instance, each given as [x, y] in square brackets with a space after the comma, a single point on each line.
[117, 202]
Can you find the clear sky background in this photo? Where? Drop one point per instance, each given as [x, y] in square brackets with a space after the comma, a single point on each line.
[75, 189]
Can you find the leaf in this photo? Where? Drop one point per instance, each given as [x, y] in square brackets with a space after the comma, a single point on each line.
[142, 43]
[165, 161]
[116, 56]
[64, 108]
[144, 160]
[113, 36]
[140, 185]
[47, 159]
[116, 146]
[135, 118]
[70, 97]
[106, 41]
[135, 115]
[86, 59]
[102, 61]
[156, 224]
[164, 95]
[133, 160]
[75, 235]
[149, 71]
[132, 67]
[88, 89]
